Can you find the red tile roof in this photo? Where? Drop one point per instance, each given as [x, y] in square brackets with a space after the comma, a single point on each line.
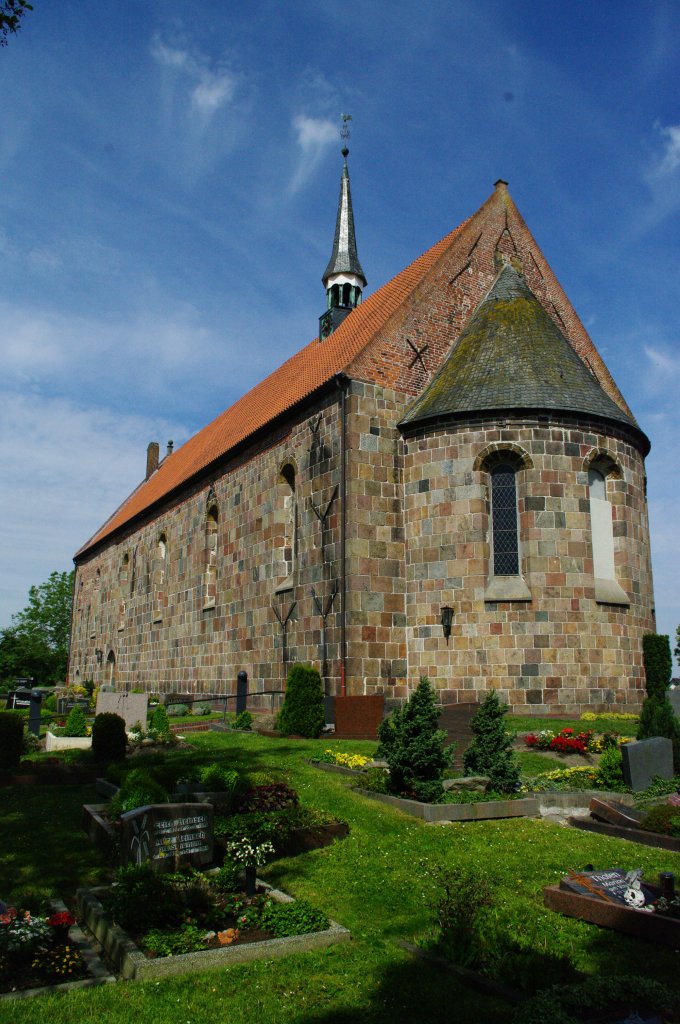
[300, 376]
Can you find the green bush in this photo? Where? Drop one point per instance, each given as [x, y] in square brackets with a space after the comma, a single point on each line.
[302, 712]
[11, 738]
[177, 710]
[139, 788]
[462, 933]
[109, 739]
[158, 721]
[610, 769]
[490, 752]
[228, 878]
[593, 997]
[76, 723]
[142, 899]
[202, 709]
[244, 720]
[664, 818]
[413, 746]
[656, 653]
[50, 703]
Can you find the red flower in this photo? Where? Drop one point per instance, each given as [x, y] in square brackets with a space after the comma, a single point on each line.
[62, 919]
[531, 740]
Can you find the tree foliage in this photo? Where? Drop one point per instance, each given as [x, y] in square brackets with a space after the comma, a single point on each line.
[36, 644]
[302, 712]
[413, 746]
[11, 13]
[490, 752]
[657, 717]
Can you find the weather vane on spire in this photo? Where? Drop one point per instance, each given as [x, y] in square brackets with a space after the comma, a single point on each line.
[344, 132]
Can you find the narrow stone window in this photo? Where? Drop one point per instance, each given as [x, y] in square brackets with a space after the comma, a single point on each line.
[160, 573]
[288, 526]
[123, 574]
[504, 531]
[210, 574]
[607, 589]
[505, 581]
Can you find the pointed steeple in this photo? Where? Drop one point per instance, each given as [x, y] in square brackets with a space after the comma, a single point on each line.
[343, 278]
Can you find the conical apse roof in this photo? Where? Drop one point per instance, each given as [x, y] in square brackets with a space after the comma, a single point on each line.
[512, 356]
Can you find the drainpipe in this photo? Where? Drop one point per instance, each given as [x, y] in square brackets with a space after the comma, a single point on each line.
[343, 383]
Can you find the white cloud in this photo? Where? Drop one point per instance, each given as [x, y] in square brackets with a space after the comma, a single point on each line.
[64, 470]
[314, 136]
[208, 88]
[670, 159]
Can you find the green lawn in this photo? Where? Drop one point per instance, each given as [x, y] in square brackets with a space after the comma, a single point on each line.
[378, 882]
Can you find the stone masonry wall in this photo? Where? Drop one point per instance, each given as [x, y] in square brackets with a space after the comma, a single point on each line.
[191, 620]
[561, 650]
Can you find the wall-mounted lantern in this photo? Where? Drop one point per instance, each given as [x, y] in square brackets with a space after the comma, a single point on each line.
[99, 654]
[446, 620]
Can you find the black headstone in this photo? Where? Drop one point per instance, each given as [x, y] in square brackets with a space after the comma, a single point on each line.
[643, 759]
[167, 835]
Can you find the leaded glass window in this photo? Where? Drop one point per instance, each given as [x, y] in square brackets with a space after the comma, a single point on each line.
[504, 521]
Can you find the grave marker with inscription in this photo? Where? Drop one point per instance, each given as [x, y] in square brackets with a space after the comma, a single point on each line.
[167, 835]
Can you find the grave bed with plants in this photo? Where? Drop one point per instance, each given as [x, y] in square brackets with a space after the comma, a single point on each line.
[154, 925]
[42, 953]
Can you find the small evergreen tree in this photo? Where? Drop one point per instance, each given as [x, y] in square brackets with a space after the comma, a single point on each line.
[413, 746]
[302, 712]
[158, 721]
[657, 717]
[490, 752]
[76, 723]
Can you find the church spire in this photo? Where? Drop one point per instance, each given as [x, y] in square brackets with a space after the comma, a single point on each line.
[343, 278]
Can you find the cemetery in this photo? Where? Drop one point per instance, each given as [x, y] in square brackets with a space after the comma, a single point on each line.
[235, 865]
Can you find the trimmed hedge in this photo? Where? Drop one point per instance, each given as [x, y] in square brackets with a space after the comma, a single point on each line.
[302, 712]
[109, 739]
[11, 738]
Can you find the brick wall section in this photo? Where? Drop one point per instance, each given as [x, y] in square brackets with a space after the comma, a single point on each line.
[169, 641]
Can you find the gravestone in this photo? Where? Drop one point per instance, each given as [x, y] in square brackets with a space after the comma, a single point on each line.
[610, 885]
[455, 720]
[131, 707]
[19, 698]
[643, 759]
[167, 835]
[674, 697]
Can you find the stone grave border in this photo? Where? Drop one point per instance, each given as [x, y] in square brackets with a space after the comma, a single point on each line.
[131, 964]
[523, 807]
[98, 973]
[633, 835]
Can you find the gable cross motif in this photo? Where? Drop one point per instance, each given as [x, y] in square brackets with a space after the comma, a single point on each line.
[418, 356]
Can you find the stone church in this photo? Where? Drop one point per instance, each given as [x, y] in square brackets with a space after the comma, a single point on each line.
[446, 482]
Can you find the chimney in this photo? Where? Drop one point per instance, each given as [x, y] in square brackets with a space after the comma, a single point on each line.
[171, 445]
[152, 453]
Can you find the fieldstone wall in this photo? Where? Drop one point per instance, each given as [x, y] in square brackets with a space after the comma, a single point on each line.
[561, 650]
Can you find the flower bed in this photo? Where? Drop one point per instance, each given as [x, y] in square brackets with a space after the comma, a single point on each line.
[567, 741]
[234, 929]
[44, 954]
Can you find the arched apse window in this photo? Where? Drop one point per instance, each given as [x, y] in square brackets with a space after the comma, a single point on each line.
[504, 521]
[287, 541]
[111, 669]
[123, 574]
[607, 588]
[210, 553]
[503, 472]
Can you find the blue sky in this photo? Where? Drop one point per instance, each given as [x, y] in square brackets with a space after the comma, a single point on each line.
[169, 175]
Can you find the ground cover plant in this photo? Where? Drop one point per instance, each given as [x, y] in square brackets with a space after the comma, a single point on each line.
[375, 883]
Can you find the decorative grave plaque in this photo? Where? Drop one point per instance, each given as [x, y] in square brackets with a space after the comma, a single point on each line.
[167, 835]
[644, 759]
[612, 886]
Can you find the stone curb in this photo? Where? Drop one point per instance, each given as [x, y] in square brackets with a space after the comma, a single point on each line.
[132, 964]
[526, 807]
